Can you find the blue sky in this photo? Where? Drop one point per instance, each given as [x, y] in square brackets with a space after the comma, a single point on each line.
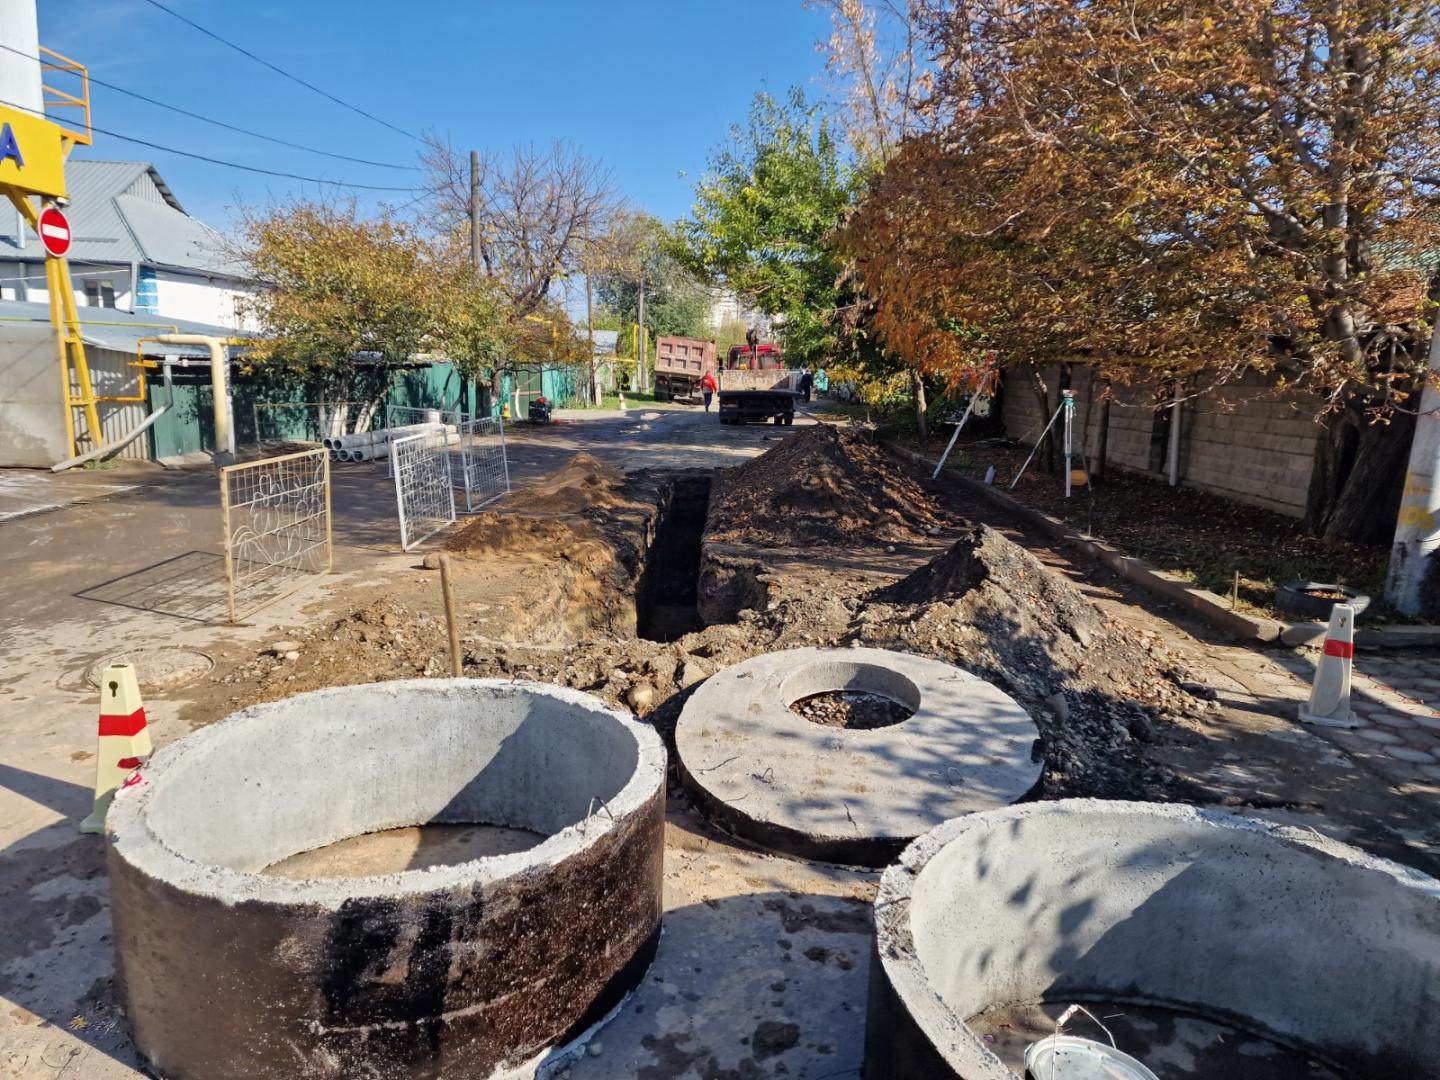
[650, 88]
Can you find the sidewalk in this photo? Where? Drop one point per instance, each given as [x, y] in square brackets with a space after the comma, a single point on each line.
[34, 491]
[1396, 698]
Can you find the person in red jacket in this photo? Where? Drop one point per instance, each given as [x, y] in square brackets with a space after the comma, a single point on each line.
[708, 386]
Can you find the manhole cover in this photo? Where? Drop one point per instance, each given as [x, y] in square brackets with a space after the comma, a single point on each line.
[163, 668]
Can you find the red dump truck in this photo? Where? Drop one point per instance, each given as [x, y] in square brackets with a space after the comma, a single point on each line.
[679, 365]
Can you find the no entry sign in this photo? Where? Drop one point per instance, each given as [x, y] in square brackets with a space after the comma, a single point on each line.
[54, 231]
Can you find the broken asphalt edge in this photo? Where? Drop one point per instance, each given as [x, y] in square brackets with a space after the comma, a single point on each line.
[1212, 608]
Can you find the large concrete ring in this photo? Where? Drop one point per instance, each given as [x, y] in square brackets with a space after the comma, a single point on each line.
[850, 796]
[1277, 931]
[477, 969]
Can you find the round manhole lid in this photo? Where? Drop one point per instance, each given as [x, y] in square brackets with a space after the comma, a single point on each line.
[165, 667]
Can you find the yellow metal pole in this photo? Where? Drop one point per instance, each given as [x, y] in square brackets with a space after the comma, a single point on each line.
[57, 321]
[229, 552]
[77, 345]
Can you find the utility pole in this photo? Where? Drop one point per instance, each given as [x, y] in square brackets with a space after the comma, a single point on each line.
[640, 379]
[474, 259]
[1417, 531]
[590, 337]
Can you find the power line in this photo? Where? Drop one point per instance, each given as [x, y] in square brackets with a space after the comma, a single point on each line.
[222, 123]
[220, 161]
[282, 71]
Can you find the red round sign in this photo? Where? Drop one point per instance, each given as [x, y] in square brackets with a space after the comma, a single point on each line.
[54, 231]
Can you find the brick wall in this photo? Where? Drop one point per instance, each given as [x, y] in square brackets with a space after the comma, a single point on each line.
[1239, 441]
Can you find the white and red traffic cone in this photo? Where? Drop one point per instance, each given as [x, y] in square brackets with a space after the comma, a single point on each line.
[124, 739]
[1329, 704]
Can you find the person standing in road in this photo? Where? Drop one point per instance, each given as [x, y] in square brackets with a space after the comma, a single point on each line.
[807, 380]
[708, 387]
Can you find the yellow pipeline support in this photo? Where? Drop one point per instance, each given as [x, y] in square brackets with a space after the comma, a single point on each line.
[219, 389]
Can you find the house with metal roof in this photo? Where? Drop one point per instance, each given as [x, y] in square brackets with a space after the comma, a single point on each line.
[135, 250]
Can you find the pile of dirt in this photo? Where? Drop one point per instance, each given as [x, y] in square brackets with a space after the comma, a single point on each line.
[562, 515]
[584, 483]
[983, 564]
[1098, 693]
[823, 485]
[585, 523]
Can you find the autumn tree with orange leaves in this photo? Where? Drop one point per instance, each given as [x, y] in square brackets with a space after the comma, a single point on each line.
[1177, 190]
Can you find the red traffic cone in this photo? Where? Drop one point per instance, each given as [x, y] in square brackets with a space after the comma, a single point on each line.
[1329, 704]
[124, 739]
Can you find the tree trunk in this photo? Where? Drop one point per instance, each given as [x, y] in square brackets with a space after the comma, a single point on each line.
[1042, 397]
[1358, 476]
[1102, 448]
[917, 391]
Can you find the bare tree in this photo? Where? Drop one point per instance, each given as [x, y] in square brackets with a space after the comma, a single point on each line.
[871, 58]
[539, 208]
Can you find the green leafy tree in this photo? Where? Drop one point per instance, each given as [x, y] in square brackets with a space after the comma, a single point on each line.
[341, 296]
[763, 217]
[347, 299]
[474, 327]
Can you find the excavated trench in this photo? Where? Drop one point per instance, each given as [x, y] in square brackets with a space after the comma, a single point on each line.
[666, 598]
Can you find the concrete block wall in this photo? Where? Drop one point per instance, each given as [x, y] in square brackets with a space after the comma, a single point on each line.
[1259, 449]
[1240, 441]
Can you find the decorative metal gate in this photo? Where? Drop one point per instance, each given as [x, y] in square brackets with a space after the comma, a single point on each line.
[276, 514]
[420, 465]
[483, 461]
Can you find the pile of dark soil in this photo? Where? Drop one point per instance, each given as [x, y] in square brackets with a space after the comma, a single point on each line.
[984, 565]
[1098, 693]
[823, 485]
[582, 527]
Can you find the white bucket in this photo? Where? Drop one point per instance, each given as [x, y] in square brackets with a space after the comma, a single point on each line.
[1066, 1057]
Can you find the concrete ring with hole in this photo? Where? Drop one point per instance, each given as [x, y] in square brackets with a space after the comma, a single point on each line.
[1274, 930]
[487, 967]
[835, 794]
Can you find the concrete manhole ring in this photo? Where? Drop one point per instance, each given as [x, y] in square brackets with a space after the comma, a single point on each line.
[1277, 931]
[475, 968]
[842, 795]
[163, 667]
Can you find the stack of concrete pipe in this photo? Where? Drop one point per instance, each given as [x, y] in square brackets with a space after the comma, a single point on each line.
[367, 445]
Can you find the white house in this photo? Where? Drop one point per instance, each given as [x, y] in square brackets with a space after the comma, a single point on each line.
[135, 249]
